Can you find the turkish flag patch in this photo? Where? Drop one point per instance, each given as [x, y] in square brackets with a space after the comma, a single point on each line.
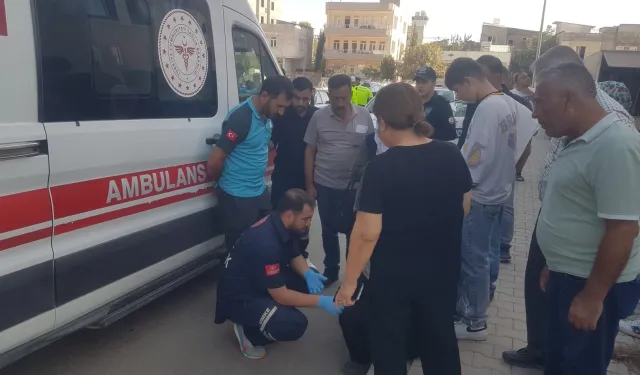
[272, 269]
[231, 135]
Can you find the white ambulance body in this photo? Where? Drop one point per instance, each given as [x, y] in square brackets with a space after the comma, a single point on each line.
[105, 106]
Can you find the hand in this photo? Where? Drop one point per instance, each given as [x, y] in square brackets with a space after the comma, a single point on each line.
[314, 281]
[544, 278]
[345, 294]
[312, 191]
[326, 303]
[585, 312]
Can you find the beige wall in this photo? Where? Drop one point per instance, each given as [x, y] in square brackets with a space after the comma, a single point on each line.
[591, 46]
[267, 11]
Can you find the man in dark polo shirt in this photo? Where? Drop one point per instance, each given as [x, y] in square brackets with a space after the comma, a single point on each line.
[436, 108]
[239, 161]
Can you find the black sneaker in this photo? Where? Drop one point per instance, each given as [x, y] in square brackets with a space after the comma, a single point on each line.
[523, 358]
[332, 277]
[505, 258]
[354, 368]
[519, 178]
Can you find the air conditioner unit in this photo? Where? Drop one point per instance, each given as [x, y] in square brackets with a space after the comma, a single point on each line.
[633, 48]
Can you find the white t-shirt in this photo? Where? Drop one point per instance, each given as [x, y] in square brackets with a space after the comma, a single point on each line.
[490, 148]
[522, 94]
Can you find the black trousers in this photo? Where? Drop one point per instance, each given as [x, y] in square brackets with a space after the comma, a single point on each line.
[240, 213]
[353, 323]
[534, 299]
[424, 305]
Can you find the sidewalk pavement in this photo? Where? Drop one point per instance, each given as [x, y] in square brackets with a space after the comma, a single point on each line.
[507, 320]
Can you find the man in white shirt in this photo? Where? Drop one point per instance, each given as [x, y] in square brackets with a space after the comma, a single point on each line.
[490, 151]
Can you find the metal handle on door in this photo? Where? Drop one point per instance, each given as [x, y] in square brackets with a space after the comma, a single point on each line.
[19, 150]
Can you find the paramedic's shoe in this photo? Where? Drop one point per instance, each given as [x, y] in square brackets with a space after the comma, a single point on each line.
[524, 357]
[630, 327]
[465, 332]
[247, 349]
[355, 368]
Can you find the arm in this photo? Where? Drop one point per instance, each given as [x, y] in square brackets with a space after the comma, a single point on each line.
[523, 159]
[448, 132]
[364, 237]
[466, 203]
[478, 148]
[234, 130]
[299, 264]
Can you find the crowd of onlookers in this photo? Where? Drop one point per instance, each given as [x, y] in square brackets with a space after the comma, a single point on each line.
[428, 223]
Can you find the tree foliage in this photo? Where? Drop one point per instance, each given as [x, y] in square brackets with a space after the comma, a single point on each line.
[305, 24]
[459, 43]
[318, 58]
[521, 60]
[413, 38]
[388, 68]
[371, 72]
[422, 55]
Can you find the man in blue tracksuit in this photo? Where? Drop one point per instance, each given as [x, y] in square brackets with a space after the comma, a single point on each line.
[266, 279]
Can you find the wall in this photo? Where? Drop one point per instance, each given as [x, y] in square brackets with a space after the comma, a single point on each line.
[517, 38]
[572, 27]
[293, 44]
[449, 56]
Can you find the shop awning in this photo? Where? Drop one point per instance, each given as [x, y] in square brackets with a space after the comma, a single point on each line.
[622, 59]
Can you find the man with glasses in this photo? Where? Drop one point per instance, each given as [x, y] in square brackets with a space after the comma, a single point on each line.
[288, 139]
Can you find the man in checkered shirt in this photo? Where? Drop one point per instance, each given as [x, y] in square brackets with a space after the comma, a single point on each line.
[535, 303]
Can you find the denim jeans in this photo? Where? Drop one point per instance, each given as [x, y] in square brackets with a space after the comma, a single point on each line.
[501, 237]
[336, 216]
[473, 287]
[574, 352]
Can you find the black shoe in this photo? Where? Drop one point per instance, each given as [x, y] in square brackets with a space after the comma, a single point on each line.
[519, 178]
[355, 368]
[505, 258]
[523, 358]
[332, 277]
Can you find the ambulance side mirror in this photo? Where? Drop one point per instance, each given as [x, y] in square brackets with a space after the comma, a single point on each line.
[213, 140]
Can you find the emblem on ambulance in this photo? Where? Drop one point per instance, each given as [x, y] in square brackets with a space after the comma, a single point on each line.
[183, 54]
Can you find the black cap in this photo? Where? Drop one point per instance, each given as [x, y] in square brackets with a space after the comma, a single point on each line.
[426, 73]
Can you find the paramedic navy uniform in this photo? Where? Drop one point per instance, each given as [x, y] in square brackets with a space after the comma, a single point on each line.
[259, 261]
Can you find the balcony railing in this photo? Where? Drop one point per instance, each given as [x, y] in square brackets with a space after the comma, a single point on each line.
[351, 54]
[362, 30]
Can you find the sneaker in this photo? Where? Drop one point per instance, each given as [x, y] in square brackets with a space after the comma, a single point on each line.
[355, 368]
[519, 178]
[505, 258]
[523, 358]
[630, 327]
[332, 277]
[465, 332]
[247, 349]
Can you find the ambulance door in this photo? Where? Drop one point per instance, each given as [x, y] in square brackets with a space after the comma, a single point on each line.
[27, 308]
[131, 90]
[249, 60]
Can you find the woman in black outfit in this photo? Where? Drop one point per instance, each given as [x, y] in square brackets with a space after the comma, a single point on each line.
[409, 221]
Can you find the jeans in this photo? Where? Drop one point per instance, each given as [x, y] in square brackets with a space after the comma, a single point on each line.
[575, 352]
[336, 216]
[501, 237]
[473, 287]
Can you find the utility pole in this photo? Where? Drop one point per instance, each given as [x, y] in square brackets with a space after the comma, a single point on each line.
[544, 9]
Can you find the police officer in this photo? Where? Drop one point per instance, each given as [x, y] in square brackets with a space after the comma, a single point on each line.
[238, 163]
[266, 279]
[360, 94]
[436, 107]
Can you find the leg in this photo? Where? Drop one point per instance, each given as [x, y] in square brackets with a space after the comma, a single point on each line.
[328, 208]
[473, 292]
[522, 162]
[264, 321]
[494, 255]
[389, 321]
[536, 309]
[240, 213]
[507, 223]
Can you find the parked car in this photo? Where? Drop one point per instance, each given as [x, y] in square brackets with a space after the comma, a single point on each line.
[321, 98]
[459, 109]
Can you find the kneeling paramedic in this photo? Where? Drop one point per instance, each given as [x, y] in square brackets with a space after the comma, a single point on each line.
[265, 279]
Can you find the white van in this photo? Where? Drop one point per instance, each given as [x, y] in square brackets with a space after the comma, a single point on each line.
[105, 106]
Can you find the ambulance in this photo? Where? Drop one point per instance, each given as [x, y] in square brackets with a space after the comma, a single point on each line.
[108, 109]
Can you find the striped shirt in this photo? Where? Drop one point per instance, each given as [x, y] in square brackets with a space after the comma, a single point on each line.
[557, 144]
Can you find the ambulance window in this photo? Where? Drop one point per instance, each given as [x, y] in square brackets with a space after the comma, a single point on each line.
[253, 63]
[122, 59]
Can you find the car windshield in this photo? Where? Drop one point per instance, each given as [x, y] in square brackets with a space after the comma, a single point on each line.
[448, 94]
[369, 105]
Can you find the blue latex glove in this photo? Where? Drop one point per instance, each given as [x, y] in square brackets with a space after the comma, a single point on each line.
[314, 281]
[326, 303]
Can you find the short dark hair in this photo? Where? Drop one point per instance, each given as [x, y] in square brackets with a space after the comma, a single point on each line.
[339, 81]
[461, 68]
[276, 85]
[492, 63]
[302, 83]
[294, 200]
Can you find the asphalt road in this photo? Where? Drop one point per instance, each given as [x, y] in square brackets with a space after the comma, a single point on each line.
[175, 335]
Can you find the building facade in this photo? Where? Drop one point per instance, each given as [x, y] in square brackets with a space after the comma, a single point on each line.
[625, 37]
[267, 11]
[517, 39]
[292, 45]
[362, 34]
[418, 28]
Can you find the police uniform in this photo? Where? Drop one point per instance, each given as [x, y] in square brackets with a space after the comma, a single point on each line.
[261, 260]
[242, 192]
[440, 116]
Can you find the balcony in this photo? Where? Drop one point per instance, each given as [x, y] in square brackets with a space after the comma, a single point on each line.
[363, 31]
[355, 55]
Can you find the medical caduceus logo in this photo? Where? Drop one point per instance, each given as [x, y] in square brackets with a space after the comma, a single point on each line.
[183, 54]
